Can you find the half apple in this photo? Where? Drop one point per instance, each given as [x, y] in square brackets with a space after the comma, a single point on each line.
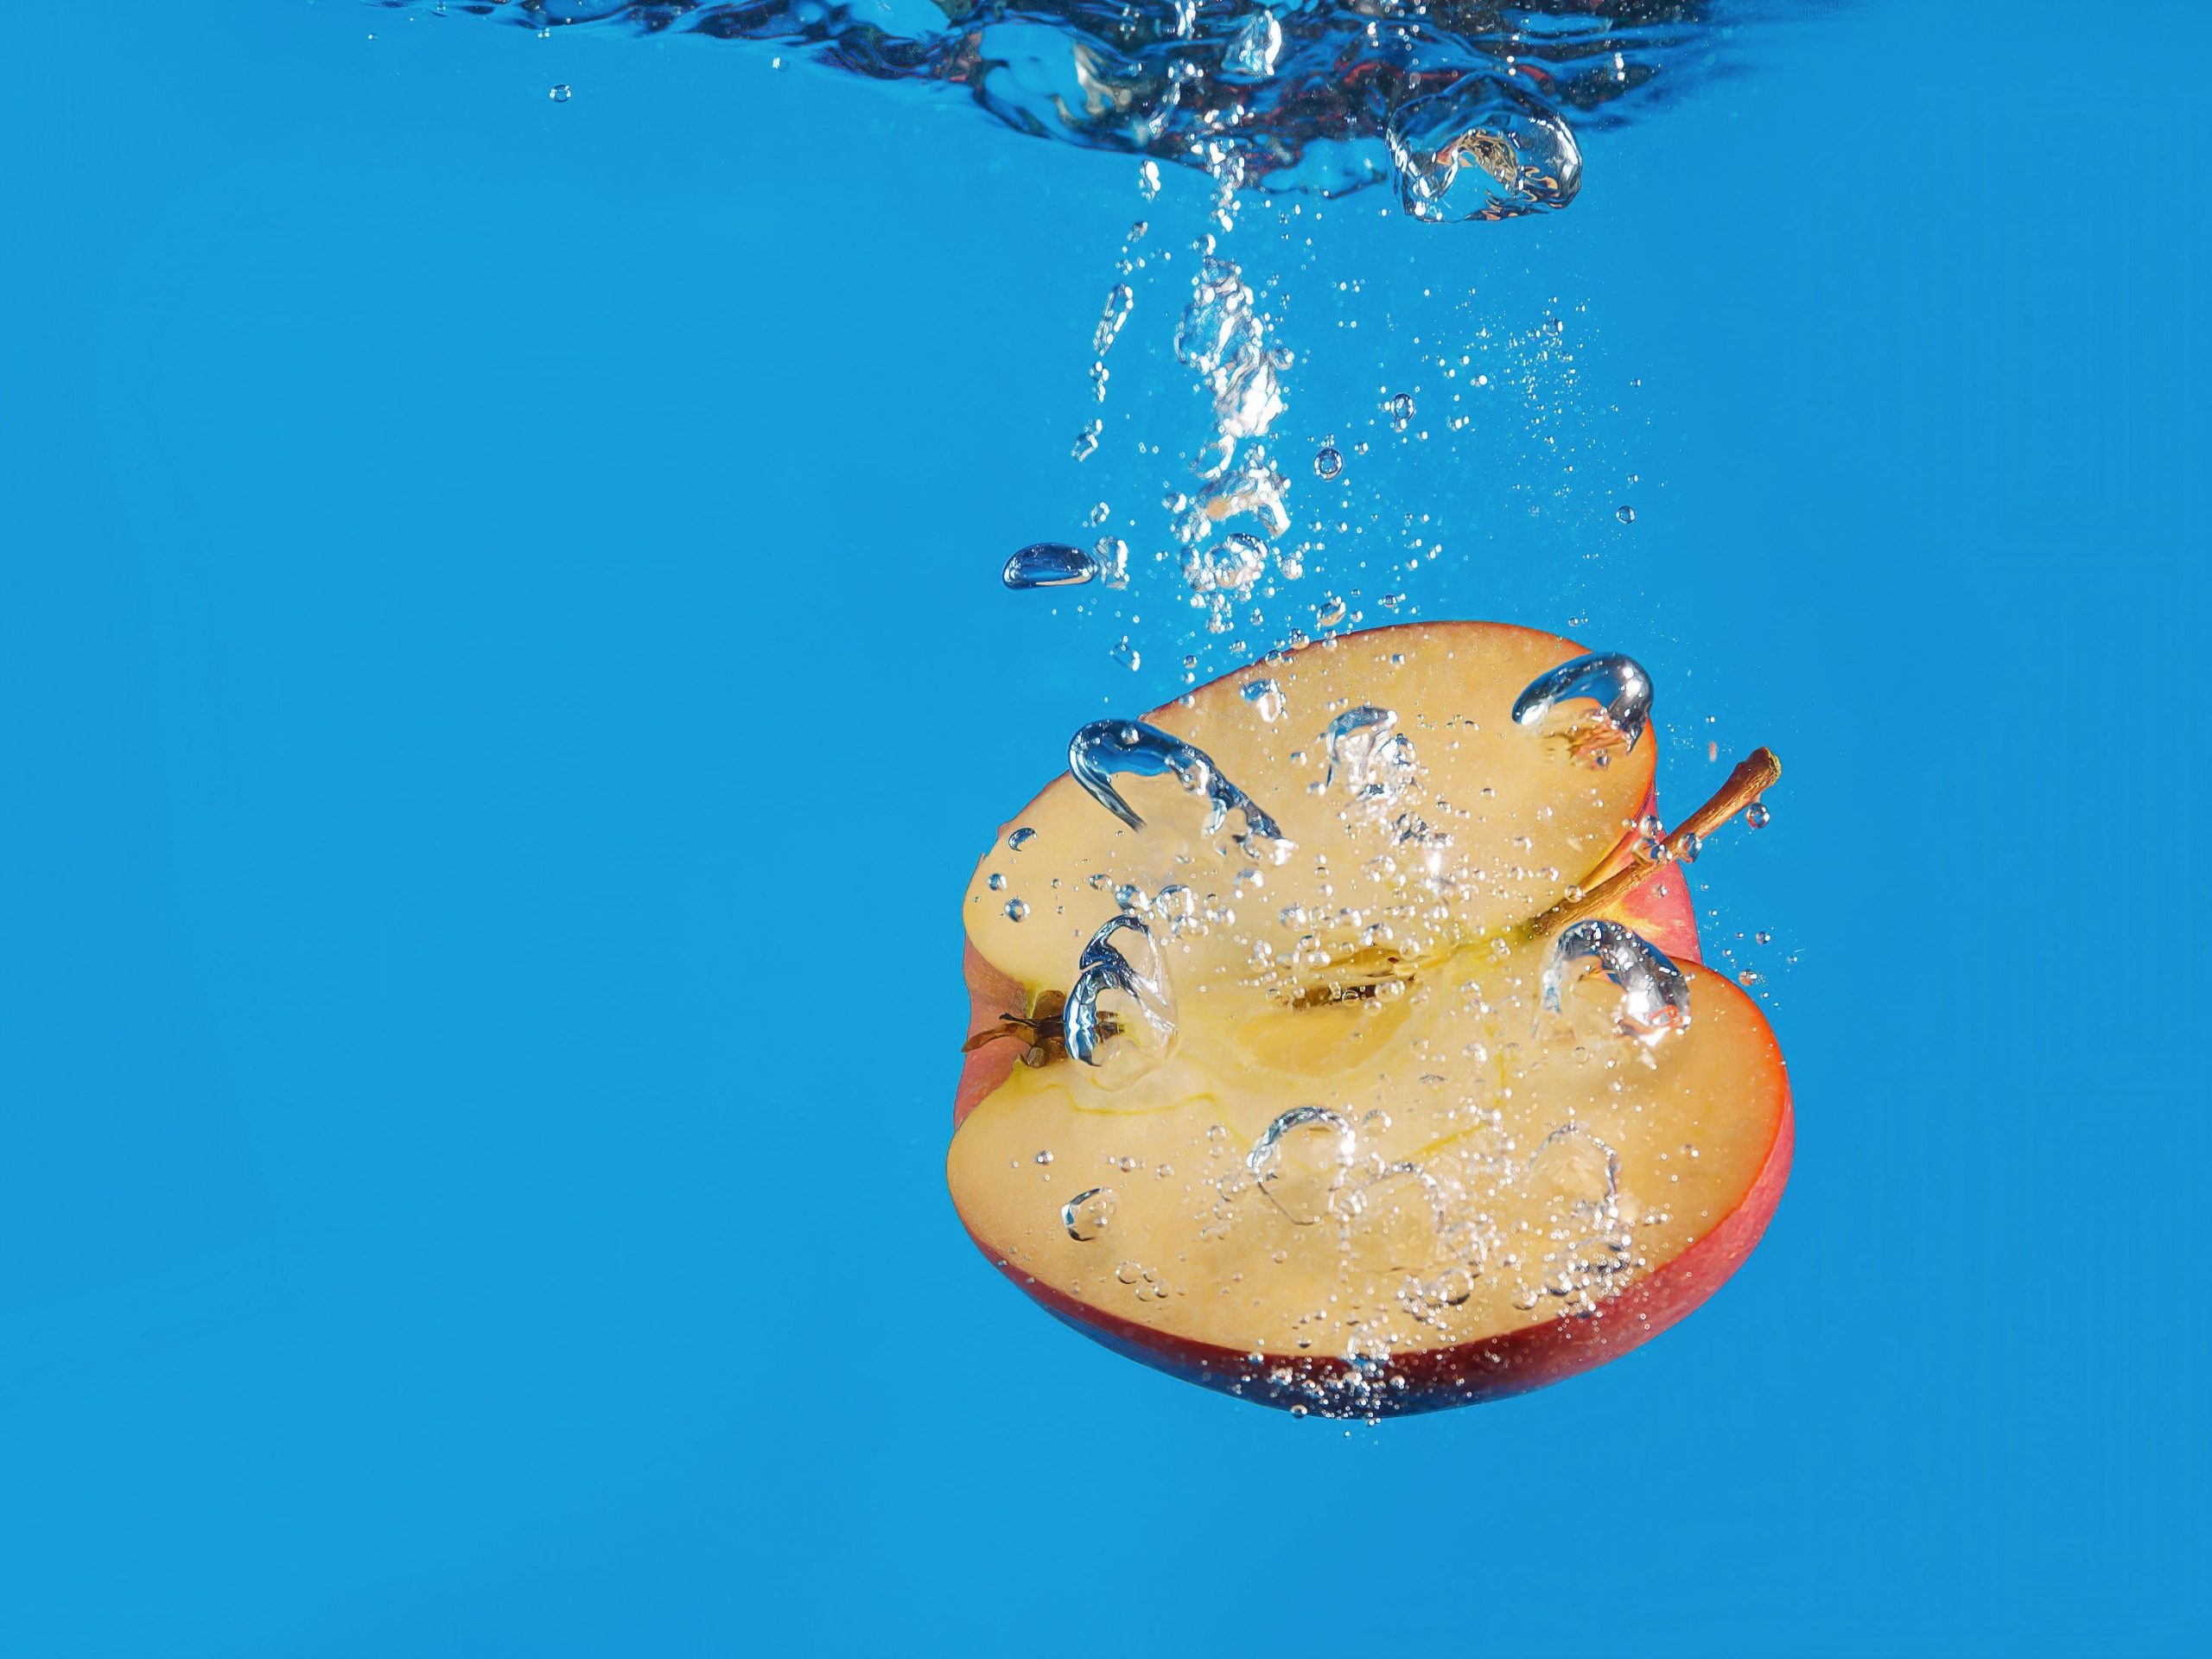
[1338, 1040]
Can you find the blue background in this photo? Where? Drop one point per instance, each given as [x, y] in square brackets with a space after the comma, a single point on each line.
[501, 678]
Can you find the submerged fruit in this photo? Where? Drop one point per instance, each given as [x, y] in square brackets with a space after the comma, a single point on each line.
[1325, 1065]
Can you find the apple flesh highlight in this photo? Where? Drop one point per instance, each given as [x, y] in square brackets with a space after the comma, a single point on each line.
[1499, 1196]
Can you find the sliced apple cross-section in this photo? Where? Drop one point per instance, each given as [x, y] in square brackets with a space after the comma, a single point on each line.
[1352, 1110]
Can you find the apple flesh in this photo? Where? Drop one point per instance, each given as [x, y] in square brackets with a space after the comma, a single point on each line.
[1398, 1157]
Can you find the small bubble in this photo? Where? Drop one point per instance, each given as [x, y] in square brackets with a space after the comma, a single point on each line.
[1689, 847]
[1044, 1157]
[1148, 180]
[1763, 937]
[1328, 463]
[997, 882]
[1019, 839]
[559, 94]
[1127, 654]
[1626, 513]
[1402, 410]
[1016, 909]
[1757, 816]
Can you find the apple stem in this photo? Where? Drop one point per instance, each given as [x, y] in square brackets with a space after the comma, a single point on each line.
[1752, 777]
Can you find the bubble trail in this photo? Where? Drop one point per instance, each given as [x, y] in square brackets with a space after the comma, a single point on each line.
[1107, 747]
[1300, 1158]
[1617, 683]
[1050, 564]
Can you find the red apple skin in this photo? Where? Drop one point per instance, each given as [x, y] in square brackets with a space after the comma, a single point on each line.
[1661, 909]
[991, 994]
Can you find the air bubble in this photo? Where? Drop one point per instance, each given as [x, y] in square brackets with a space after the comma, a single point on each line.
[1265, 698]
[1654, 994]
[1088, 1215]
[1482, 148]
[1106, 747]
[1049, 564]
[1120, 1016]
[1301, 1158]
[1616, 682]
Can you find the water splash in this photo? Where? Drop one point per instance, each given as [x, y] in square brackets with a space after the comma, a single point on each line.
[1616, 682]
[1483, 148]
[1654, 993]
[1319, 98]
[1253, 50]
[1105, 747]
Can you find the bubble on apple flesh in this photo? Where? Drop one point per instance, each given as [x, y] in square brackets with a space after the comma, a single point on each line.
[1376, 759]
[1107, 748]
[1588, 1248]
[1265, 698]
[1120, 1015]
[1617, 683]
[1301, 1158]
[1088, 1215]
[1049, 564]
[1654, 994]
[1393, 1221]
